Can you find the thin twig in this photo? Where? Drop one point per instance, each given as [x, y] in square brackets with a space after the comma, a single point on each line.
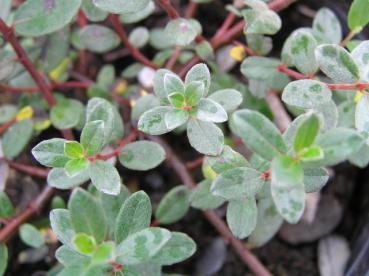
[168, 7]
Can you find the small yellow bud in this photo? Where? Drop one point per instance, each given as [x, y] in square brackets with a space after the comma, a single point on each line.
[42, 125]
[133, 103]
[121, 87]
[58, 72]
[358, 96]
[238, 53]
[25, 113]
[143, 92]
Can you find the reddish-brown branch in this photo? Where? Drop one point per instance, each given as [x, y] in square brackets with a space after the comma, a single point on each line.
[8, 33]
[280, 115]
[123, 36]
[195, 163]
[292, 73]
[29, 170]
[348, 86]
[173, 59]
[243, 252]
[26, 214]
[7, 125]
[226, 25]
[191, 10]
[116, 152]
[168, 7]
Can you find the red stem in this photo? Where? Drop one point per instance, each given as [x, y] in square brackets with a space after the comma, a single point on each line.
[168, 7]
[191, 10]
[123, 36]
[8, 33]
[195, 163]
[292, 73]
[7, 125]
[30, 170]
[348, 86]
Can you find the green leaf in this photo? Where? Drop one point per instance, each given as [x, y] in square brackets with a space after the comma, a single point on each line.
[66, 114]
[139, 15]
[241, 217]
[358, 15]
[205, 137]
[179, 247]
[144, 104]
[139, 37]
[7, 112]
[174, 205]
[58, 178]
[17, 138]
[173, 84]
[105, 77]
[121, 6]
[288, 188]
[6, 206]
[87, 215]
[298, 51]
[204, 50]
[152, 121]
[176, 99]
[260, 68]
[101, 109]
[306, 133]
[199, 72]
[337, 63]
[327, 25]
[229, 99]
[73, 150]
[68, 256]
[261, 21]
[98, 38]
[311, 153]
[202, 198]
[238, 183]
[134, 216]
[338, 144]
[362, 115]
[268, 222]
[75, 167]
[84, 243]
[180, 31]
[104, 253]
[142, 155]
[228, 159]
[306, 93]
[31, 236]
[158, 85]
[210, 111]
[315, 179]
[60, 222]
[105, 177]
[261, 45]
[37, 17]
[360, 55]
[360, 158]
[93, 13]
[3, 258]
[258, 133]
[175, 118]
[194, 91]
[92, 137]
[142, 246]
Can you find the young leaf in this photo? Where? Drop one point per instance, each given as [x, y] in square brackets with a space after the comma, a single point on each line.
[258, 133]
[158, 85]
[92, 137]
[306, 133]
[327, 26]
[174, 205]
[121, 6]
[337, 63]
[61, 224]
[173, 84]
[179, 247]
[229, 99]
[315, 179]
[311, 153]
[98, 38]
[152, 121]
[205, 137]
[142, 246]
[202, 198]
[6, 206]
[105, 177]
[180, 31]
[84, 243]
[142, 155]
[288, 188]
[104, 253]
[358, 15]
[50, 153]
[306, 93]
[3, 258]
[199, 72]
[176, 99]
[37, 17]
[210, 111]
[194, 91]
[68, 256]
[75, 167]
[134, 215]
[176, 118]
[58, 178]
[73, 150]
[17, 138]
[241, 217]
[87, 215]
[228, 159]
[237, 183]
[31, 236]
